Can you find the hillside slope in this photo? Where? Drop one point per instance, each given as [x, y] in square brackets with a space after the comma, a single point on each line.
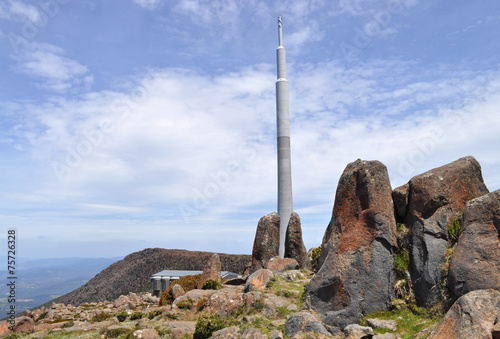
[133, 273]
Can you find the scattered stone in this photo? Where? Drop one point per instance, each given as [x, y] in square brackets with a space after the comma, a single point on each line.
[435, 199]
[475, 264]
[250, 299]
[236, 281]
[225, 302]
[380, 323]
[149, 333]
[304, 322]
[253, 333]
[212, 270]
[249, 318]
[232, 332]
[272, 302]
[194, 295]
[355, 331]
[258, 280]
[277, 264]
[424, 333]
[177, 291]
[356, 266]
[266, 243]
[292, 275]
[278, 322]
[292, 308]
[276, 334]
[294, 244]
[473, 315]
[387, 336]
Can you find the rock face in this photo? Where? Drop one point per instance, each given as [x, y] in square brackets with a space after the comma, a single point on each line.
[266, 243]
[212, 270]
[294, 244]
[475, 264]
[473, 315]
[435, 199]
[356, 265]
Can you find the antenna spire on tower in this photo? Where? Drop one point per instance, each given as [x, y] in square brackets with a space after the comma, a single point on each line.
[285, 201]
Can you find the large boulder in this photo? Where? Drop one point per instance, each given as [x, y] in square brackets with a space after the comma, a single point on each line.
[356, 265]
[435, 199]
[258, 280]
[475, 264]
[212, 270]
[266, 243]
[474, 315]
[294, 244]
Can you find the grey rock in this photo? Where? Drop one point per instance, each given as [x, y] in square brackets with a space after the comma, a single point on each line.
[400, 198]
[292, 275]
[475, 264]
[177, 291]
[435, 199]
[387, 336]
[380, 323]
[355, 331]
[294, 244]
[266, 242]
[473, 315]
[356, 266]
[304, 322]
[253, 333]
[272, 302]
[232, 332]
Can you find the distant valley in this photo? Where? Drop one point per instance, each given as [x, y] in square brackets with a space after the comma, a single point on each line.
[39, 281]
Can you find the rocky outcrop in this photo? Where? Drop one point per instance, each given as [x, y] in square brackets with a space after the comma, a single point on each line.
[266, 243]
[294, 244]
[435, 199]
[474, 315]
[20, 325]
[211, 270]
[475, 264]
[356, 272]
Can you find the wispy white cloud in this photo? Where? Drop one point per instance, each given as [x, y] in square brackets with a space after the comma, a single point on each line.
[19, 11]
[47, 64]
[149, 4]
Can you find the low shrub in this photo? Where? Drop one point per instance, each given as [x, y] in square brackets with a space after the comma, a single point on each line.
[188, 283]
[70, 323]
[100, 317]
[454, 230]
[315, 254]
[121, 316]
[136, 315]
[185, 304]
[211, 284]
[154, 313]
[206, 324]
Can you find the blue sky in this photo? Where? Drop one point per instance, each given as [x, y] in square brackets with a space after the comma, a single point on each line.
[151, 123]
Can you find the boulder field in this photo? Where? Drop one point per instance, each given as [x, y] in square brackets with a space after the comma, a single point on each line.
[356, 269]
